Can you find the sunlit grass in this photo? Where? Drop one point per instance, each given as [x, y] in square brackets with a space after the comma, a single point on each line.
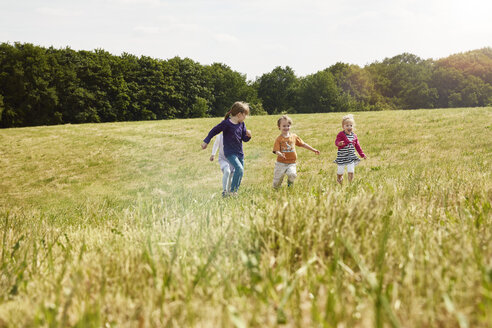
[123, 224]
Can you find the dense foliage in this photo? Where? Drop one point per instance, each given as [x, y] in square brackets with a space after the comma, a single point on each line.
[44, 86]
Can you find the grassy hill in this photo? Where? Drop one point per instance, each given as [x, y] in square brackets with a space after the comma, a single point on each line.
[123, 224]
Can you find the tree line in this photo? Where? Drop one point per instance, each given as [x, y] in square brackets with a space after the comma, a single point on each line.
[46, 86]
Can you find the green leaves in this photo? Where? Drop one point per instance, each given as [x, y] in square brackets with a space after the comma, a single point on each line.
[47, 86]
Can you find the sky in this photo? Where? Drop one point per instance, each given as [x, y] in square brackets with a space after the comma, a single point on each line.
[253, 37]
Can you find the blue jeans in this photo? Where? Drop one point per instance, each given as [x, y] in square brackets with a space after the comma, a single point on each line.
[238, 163]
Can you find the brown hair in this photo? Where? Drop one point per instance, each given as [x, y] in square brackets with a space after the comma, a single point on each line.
[284, 117]
[238, 107]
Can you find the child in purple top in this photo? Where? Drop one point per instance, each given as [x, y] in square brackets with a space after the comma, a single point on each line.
[234, 132]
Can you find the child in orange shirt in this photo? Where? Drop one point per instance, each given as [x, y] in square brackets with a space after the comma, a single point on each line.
[285, 149]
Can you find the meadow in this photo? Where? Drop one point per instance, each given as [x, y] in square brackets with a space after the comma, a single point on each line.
[123, 225]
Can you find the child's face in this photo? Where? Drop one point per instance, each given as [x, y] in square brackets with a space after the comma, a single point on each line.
[284, 126]
[241, 117]
[347, 126]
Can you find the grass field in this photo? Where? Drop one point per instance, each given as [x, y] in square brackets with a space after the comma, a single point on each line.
[123, 225]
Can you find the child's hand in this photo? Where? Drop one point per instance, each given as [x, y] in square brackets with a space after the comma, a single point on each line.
[212, 158]
[248, 133]
[279, 153]
[316, 151]
[204, 145]
[341, 143]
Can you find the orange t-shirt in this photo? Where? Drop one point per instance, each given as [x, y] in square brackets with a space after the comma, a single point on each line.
[287, 145]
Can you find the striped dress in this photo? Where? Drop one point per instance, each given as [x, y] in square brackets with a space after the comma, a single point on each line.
[346, 155]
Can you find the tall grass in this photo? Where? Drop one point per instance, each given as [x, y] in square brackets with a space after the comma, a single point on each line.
[122, 224]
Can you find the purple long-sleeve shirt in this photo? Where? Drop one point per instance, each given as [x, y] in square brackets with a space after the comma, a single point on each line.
[234, 135]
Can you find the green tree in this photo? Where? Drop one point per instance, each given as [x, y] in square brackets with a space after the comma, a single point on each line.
[456, 89]
[476, 62]
[356, 87]
[199, 108]
[2, 108]
[51, 86]
[318, 93]
[130, 94]
[95, 74]
[25, 83]
[404, 81]
[188, 83]
[226, 86]
[67, 85]
[277, 90]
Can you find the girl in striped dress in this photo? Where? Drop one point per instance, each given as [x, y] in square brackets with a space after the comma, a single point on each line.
[347, 143]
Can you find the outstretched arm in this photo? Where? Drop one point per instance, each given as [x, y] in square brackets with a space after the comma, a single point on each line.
[215, 130]
[310, 148]
[359, 149]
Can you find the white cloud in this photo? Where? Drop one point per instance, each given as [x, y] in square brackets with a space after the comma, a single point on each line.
[226, 39]
[254, 36]
[147, 29]
[58, 12]
[136, 2]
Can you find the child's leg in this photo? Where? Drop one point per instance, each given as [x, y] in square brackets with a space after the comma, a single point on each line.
[278, 174]
[228, 174]
[340, 170]
[350, 171]
[229, 181]
[238, 164]
[227, 170]
[291, 173]
[226, 178]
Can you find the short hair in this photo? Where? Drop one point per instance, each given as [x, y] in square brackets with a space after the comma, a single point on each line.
[284, 117]
[348, 117]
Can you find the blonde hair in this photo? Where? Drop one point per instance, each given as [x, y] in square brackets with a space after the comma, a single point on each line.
[236, 108]
[348, 117]
[284, 117]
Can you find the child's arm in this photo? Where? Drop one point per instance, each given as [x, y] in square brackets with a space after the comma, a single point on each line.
[246, 135]
[305, 145]
[302, 144]
[340, 140]
[359, 149]
[279, 153]
[215, 130]
[276, 149]
[215, 148]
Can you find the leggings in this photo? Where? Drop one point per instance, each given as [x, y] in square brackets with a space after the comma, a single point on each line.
[226, 178]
